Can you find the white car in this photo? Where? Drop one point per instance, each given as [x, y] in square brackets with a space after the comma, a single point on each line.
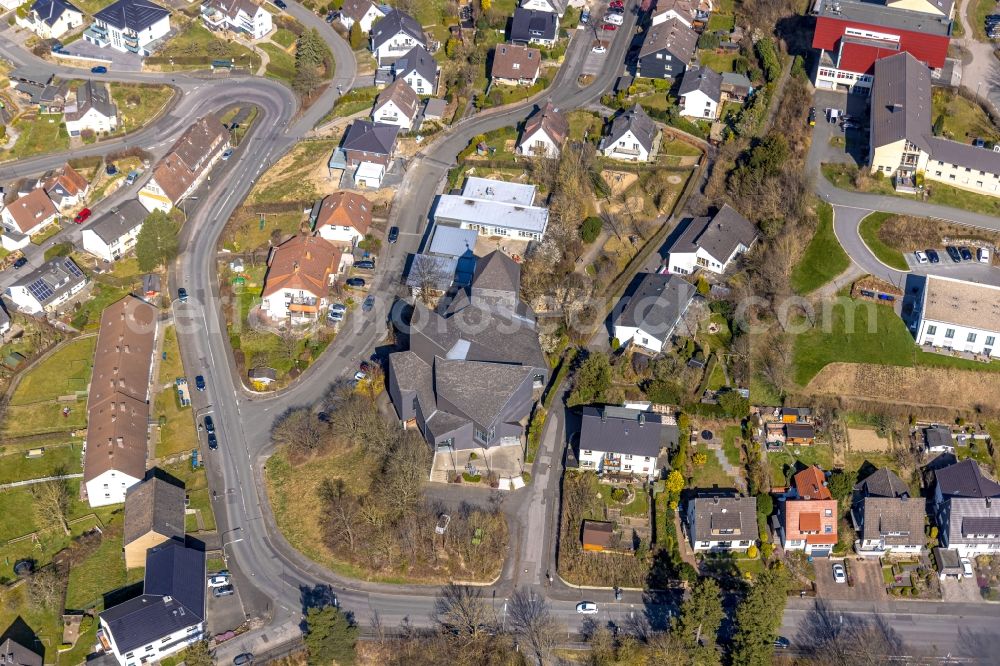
[921, 257]
[599, 48]
[586, 608]
[614, 19]
[359, 375]
[983, 255]
[220, 580]
[839, 573]
[966, 567]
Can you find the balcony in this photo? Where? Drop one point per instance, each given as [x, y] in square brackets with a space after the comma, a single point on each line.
[611, 463]
[301, 300]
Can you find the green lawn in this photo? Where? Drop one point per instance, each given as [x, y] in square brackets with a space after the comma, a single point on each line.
[37, 135]
[678, 147]
[280, 64]
[284, 37]
[711, 473]
[196, 485]
[887, 255]
[720, 21]
[583, 122]
[353, 101]
[783, 460]
[731, 437]
[64, 458]
[639, 506]
[88, 317]
[103, 571]
[138, 103]
[195, 47]
[65, 371]
[718, 377]
[720, 62]
[823, 259]
[977, 11]
[963, 119]
[178, 434]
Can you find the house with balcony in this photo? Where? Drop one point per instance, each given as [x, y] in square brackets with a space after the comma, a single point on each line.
[625, 441]
[396, 105]
[94, 110]
[809, 515]
[886, 518]
[958, 315]
[244, 16]
[114, 234]
[66, 187]
[130, 26]
[48, 286]
[544, 133]
[632, 137]
[299, 275]
[700, 94]
[711, 243]
[530, 26]
[967, 509]
[722, 522]
[50, 19]
[419, 69]
[343, 218]
[394, 36]
[29, 214]
[647, 319]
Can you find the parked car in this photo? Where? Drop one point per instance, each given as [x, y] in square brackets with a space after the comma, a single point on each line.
[812, 115]
[832, 115]
[979, 143]
[393, 234]
[368, 304]
[338, 307]
[213, 441]
[616, 10]
[355, 282]
[182, 295]
[921, 257]
[839, 573]
[618, 594]
[335, 315]
[359, 376]
[82, 216]
[365, 265]
[966, 568]
[243, 659]
[209, 424]
[20, 262]
[613, 18]
[585, 17]
[953, 253]
[965, 253]
[934, 257]
[131, 177]
[218, 580]
[227, 154]
[609, 26]
[110, 169]
[983, 255]
[586, 608]
[599, 47]
[100, 69]
[782, 643]
[280, 4]
[616, 4]
[199, 382]
[224, 591]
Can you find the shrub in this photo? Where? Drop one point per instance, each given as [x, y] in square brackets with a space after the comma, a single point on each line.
[473, 456]
[619, 494]
[615, 344]
[752, 552]
[700, 458]
[471, 478]
[767, 549]
[526, 476]
[591, 229]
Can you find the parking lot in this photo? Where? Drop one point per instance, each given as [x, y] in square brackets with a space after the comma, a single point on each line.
[867, 575]
[960, 589]
[224, 613]
[855, 138]
[112, 58]
[973, 271]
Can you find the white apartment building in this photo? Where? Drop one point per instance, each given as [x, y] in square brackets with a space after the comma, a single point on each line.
[959, 315]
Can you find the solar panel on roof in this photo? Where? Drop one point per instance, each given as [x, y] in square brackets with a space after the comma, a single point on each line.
[73, 269]
[40, 290]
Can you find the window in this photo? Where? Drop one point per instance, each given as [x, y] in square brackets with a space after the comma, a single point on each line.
[587, 453]
[971, 337]
[990, 339]
[949, 333]
[484, 436]
[828, 529]
[829, 513]
[931, 330]
[628, 456]
[647, 459]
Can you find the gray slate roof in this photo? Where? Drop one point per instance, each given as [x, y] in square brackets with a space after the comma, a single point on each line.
[529, 24]
[713, 514]
[132, 14]
[173, 571]
[497, 272]
[13, 653]
[413, 374]
[154, 506]
[938, 435]
[966, 479]
[883, 515]
[395, 22]
[901, 101]
[657, 304]
[625, 431]
[479, 390]
[118, 221]
[59, 275]
[704, 79]
[416, 59]
[964, 154]
[719, 235]
[93, 94]
[640, 124]
[365, 136]
[673, 37]
[882, 483]
[969, 517]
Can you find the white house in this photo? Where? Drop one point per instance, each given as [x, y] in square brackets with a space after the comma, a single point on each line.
[625, 441]
[113, 235]
[50, 19]
[298, 279]
[48, 286]
[29, 214]
[494, 208]
[131, 26]
[557, 7]
[186, 166]
[958, 315]
[544, 133]
[649, 317]
[682, 10]
[363, 12]
[711, 243]
[419, 69]
[94, 110]
[396, 105]
[722, 523]
[239, 16]
[343, 218]
[700, 93]
[66, 188]
[967, 509]
[633, 137]
[167, 617]
[394, 36]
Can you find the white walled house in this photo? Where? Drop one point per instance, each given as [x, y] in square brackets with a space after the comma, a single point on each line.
[722, 523]
[186, 166]
[621, 440]
[394, 36]
[239, 16]
[343, 218]
[633, 137]
[48, 286]
[94, 110]
[649, 318]
[958, 315]
[544, 133]
[396, 105]
[419, 69]
[700, 93]
[494, 208]
[298, 279]
[363, 12]
[29, 214]
[967, 509]
[114, 234]
[50, 19]
[131, 26]
[711, 243]
[557, 7]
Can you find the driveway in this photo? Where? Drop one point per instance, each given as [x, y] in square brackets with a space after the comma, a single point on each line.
[224, 613]
[960, 589]
[117, 60]
[868, 583]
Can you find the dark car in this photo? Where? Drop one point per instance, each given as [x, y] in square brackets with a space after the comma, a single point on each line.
[20, 262]
[209, 424]
[100, 69]
[933, 256]
[213, 441]
[365, 265]
[355, 282]
[224, 591]
[953, 253]
[781, 642]
[182, 295]
[965, 253]
[812, 115]
[280, 4]
[199, 383]
[368, 304]
[393, 234]
[243, 659]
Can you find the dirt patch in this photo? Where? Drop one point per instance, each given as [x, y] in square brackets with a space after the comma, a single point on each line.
[931, 387]
[619, 181]
[907, 234]
[863, 439]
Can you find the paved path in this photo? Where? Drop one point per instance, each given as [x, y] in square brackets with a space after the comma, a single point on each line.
[733, 472]
[31, 482]
[981, 75]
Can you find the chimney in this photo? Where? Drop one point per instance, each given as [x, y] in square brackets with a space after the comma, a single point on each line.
[642, 419]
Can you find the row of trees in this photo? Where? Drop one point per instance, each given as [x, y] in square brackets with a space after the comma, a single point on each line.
[313, 63]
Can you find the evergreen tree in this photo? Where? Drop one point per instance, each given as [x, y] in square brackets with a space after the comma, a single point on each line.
[593, 380]
[157, 241]
[357, 38]
[198, 654]
[701, 616]
[758, 618]
[330, 637]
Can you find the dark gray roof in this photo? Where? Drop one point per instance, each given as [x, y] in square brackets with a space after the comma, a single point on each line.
[497, 272]
[419, 60]
[413, 374]
[625, 431]
[638, 122]
[173, 598]
[964, 154]
[973, 525]
[736, 81]
[799, 430]
[529, 24]
[478, 390]
[118, 221]
[704, 79]
[94, 94]
[671, 36]
[885, 515]
[154, 506]
[368, 137]
[966, 479]
[882, 482]
[937, 436]
[719, 235]
[947, 558]
[877, 13]
[901, 101]
[657, 304]
[52, 279]
[31, 74]
[395, 22]
[134, 15]
[971, 521]
[49, 11]
[715, 514]
[13, 653]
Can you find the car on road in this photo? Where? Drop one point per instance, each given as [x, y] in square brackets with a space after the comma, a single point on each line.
[243, 659]
[218, 580]
[280, 4]
[984, 255]
[812, 115]
[979, 143]
[921, 257]
[599, 47]
[182, 295]
[359, 376]
[100, 69]
[953, 253]
[355, 282]
[934, 257]
[224, 591]
[585, 18]
[82, 216]
[229, 153]
[965, 253]
[782, 643]
[199, 382]
[586, 608]
[20, 262]
[966, 568]
[213, 442]
[368, 304]
[365, 265]
[209, 424]
[393, 234]
[839, 573]
[618, 594]
[609, 26]
[132, 175]
[613, 18]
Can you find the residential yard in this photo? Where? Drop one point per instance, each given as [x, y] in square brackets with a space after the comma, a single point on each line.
[962, 120]
[636, 505]
[284, 37]
[584, 124]
[88, 316]
[37, 134]
[869, 230]
[177, 432]
[731, 443]
[786, 462]
[61, 456]
[103, 571]
[280, 63]
[500, 94]
[720, 61]
[711, 473]
[139, 103]
[823, 259]
[196, 485]
[195, 47]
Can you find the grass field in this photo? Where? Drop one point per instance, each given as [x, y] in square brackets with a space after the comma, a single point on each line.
[963, 119]
[65, 457]
[178, 434]
[196, 485]
[37, 135]
[782, 461]
[720, 62]
[731, 437]
[280, 64]
[823, 259]
[102, 572]
[711, 473]
[88, 317]
[284, 37]
[65, 371]
[195, 47]
[138, 103]
[869, 229]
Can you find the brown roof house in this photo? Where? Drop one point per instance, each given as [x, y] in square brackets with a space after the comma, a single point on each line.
[343, 218]
[544, 133]
[397, 105]
[597, 535]
[118, 405]
[154, 513]
[66, 187]
[187, 164]
[810, 525]
[30, 214]
[298, 279]
[515, 65]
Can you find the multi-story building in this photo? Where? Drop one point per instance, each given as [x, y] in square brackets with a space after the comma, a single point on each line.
[886, 519]
[94, 110]
[711, 243]
[48, 286]
[494, 208]
[343, 218]
[810, 516]
[647, 318]
[621, 440]
[237, 15]
[722, 523]
[967, 509]
[298, 279]
[132, 26]
[50, 19]
[186, 166]
[113, 235]
[666, 50]
[959, 315]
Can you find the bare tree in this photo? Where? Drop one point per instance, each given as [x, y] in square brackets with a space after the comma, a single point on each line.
[46, 588]
[52, 501]
[301, 431]
[426, 277]
[462, 610]
[343, 510]
[833, 639]
[531, 619]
